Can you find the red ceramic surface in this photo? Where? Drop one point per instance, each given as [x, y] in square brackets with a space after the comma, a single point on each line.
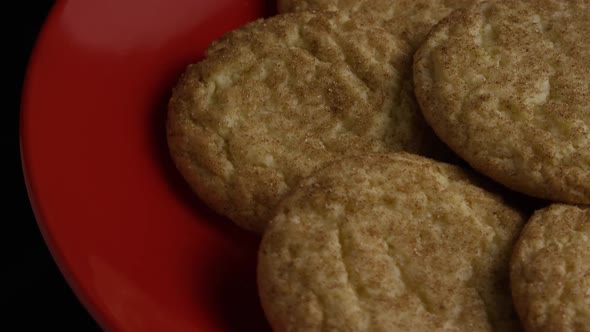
[137, 247]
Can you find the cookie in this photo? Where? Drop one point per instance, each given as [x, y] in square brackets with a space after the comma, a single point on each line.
[389, 242]
[505, 85]
[279, 98]
[550, 270]
[411, 19]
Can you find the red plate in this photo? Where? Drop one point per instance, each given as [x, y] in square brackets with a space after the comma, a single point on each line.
[138, 248]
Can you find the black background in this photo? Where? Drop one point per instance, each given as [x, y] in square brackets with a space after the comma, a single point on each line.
[38, 296]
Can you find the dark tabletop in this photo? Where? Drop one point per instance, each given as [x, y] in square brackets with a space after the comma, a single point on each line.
[38, 296]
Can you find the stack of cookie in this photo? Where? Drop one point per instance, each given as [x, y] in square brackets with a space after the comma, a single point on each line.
[332, 130]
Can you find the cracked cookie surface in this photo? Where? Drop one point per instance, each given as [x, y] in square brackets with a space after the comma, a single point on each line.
[506, 85]
[550, 270]
[409, 19]
[279, 98]
[389, 242]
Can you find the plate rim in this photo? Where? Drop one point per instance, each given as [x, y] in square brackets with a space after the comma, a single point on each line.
[102, 319]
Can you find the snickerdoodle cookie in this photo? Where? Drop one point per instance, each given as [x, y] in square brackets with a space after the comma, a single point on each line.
[409, 19]
[550, 272]
[389, 242]
[506, 84]
[279, 98]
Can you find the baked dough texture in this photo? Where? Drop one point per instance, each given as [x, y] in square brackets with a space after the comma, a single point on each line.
[389, 242]
[279, 98]
[410, 19]
[550, 270]
[506, 84]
